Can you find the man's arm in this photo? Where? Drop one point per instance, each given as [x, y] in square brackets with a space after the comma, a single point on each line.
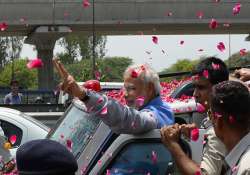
[170, 138]
[120, 118]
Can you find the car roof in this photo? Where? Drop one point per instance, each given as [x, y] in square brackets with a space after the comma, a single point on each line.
[14, 114]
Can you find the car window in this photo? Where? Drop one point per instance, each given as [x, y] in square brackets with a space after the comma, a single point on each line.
[12, 131]
[187, 90]
[75, 130]
[142, 158]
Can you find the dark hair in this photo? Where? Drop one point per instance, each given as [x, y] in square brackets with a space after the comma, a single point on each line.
[231, 99]
[214, 75]
[12, 82]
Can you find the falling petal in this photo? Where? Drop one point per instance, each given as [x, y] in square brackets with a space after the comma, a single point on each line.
[69, 144]
[148, 52]
[100, 100]
[234, 168]
[181, 42]
[200, 14]
[236, 9]
[3, 26]
[231, 119]
[154, 157]
[221, 47]
[35, 63]
[200, 108]
[12, 139]
[205, 74]
[139, 101]
[85, 3]
[108, 172]
[200, 50]
[99, 162]
[155, 39]
[243, 52]
[215, 66]
[213, 24]
[104, 111]
[194, 134]
[62, 136]
[197, 173]
[97, 75]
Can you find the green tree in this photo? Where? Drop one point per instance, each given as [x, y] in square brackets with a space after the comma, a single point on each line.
[10, 48]
[110, 68]
[81, 46]
[27, 78]
[237, 60]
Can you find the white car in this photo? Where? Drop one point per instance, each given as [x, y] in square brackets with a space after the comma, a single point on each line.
[21, 127]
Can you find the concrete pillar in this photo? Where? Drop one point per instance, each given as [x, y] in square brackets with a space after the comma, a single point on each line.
[45, 46]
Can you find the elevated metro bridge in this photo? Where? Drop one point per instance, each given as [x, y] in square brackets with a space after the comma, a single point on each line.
[45, 21]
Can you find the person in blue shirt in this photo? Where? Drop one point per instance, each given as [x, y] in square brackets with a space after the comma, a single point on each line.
[144, 111]
[14, 97]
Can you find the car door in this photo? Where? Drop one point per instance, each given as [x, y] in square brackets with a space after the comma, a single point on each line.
[139, 155]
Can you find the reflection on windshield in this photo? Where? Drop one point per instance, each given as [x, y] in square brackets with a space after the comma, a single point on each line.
[77, 128]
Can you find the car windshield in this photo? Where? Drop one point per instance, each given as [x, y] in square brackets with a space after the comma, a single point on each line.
[75, 129]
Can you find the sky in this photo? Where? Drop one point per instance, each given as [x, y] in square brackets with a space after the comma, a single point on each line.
[168, 50]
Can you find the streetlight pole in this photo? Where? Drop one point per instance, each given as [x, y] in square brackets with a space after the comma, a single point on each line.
[94, 42]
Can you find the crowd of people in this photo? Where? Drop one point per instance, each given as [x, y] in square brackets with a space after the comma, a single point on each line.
[226, 102]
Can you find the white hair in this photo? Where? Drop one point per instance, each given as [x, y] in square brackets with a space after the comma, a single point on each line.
[145, 73]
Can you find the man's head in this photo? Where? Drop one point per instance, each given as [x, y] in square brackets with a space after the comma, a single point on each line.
[140, 82]
[230, 108]
[45, 157]
[14, 85]
[207, 73]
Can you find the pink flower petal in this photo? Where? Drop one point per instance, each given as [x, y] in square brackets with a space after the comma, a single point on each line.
[236, 8]
[12, 139]
[139, 101]
[200, 108]
[104, 111]
[197, 173]
[234, 168]
[62, 136]
[243, 52]
[35, 63]
[205, 74]
[221, 47]
[155, 39]
[85, 3]
[215, 66]
[3, 26]
[194, 134]
[134, 74]
[100, 100]
[200, 14]
[232, 119]
[97, 75]
[154, 157]
[200, 50]
[181, 42]
[69, 144]
[99, 162]
[213, 24]
[108, 172]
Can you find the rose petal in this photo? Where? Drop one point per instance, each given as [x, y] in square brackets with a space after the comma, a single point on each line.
[154, 157]
[205, 74]
[194, 134]
[197, 173]
[200, 14]
[200, 108]
[243, 52]
[236, 8]
[155, 39]
[181, 42]
[12, 139]
[213, 24]
[104, 111]
[97, 75]
[3, 26]
[100, 100]
[221, 47]
[134, 74]
[85, 3]
[232, 119]
[215, 66]
[69, 144]
[108, 172]
[35, 63]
